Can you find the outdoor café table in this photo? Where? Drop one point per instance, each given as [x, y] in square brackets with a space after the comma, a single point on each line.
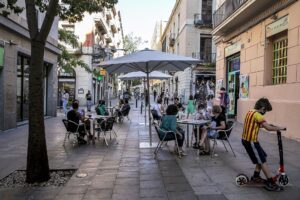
[111, 109]
[93, 118]
[192, 122]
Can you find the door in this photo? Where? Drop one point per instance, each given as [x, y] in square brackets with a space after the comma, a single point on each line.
[233, 82]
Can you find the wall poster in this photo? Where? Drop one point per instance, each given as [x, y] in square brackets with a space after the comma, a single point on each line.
[244, 86]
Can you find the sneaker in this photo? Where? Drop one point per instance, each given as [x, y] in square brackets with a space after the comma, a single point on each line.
[258, 179]
[195, 146]
[273, 187]
[182, 153]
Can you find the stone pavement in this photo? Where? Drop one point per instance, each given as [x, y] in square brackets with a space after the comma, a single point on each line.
[123, 170]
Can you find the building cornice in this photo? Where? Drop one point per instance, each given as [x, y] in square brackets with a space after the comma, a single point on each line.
[23, 32]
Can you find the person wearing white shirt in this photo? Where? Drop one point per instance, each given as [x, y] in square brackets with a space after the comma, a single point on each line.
[65, 98]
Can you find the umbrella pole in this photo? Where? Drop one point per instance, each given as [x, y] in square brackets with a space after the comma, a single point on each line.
[144, 83]
[148, 96]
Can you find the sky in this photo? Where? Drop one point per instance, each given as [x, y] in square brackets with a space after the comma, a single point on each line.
[140, 16]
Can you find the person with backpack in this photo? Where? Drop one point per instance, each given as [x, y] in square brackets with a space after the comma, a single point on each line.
[224, 99]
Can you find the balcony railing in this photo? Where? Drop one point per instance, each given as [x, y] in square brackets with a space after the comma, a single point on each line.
[225, 10]
[205, 57]
[172, 39]
[203, 20]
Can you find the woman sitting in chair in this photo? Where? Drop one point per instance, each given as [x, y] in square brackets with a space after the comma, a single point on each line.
[169, 123]
[218, 122]
[101, 109]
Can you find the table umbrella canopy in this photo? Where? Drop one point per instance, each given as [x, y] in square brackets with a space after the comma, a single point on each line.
[137, 75]
[147, 61]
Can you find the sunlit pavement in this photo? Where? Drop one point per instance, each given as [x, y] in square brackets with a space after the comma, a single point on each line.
[123, 170]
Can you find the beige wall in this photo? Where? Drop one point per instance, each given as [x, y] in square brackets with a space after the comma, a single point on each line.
[255, 62]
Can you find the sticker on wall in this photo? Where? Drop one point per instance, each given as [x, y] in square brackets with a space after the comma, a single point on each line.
[244, 86]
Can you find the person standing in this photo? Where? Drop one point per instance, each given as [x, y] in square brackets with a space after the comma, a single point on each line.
[224, 99]
[166, 99]
[88, 97]
[191, 107]
[154, 95]
[65, 98]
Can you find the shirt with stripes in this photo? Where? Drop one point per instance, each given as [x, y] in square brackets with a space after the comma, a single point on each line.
[252, 124]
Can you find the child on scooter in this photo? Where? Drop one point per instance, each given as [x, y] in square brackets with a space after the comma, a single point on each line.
[253, 121]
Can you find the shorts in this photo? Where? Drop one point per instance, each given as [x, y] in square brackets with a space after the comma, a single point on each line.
[212, 133]
[255, 152]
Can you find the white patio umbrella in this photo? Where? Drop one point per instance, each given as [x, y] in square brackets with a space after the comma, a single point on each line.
[147, 61]
[137, 75]
[140, 74]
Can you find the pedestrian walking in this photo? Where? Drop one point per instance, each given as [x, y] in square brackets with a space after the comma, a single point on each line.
[65, 98]
[88, 97]
[154, 95]
[224, 99]
[166, 99]
[191, 106]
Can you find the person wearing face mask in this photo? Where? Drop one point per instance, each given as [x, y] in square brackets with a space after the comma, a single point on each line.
[254, 120]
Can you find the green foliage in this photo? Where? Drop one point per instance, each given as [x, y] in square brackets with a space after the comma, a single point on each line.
[68, 61]
[71, 10]
[131, 43]
[136, 82]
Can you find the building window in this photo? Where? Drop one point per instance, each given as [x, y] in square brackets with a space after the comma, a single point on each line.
[279, 62]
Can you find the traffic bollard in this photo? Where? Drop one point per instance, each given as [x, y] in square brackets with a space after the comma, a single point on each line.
[136, 102]
[142, 107]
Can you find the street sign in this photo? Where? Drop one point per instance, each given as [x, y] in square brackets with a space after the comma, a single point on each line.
[103, 72]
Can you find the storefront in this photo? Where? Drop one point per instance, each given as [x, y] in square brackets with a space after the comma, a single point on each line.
[66, 82]
[263, 61]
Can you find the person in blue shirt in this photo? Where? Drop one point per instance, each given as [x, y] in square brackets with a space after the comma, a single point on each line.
[169, 123]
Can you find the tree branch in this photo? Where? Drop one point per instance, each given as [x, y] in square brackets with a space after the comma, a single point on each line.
[48, 20]
[32, 20]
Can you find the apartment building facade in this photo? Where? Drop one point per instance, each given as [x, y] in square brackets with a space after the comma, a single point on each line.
[188, 33]
[258, 47]
[15, 51]
[101, 38]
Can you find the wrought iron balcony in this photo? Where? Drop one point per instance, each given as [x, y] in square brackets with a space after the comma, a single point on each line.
[226, 9]
[203, 20]
[172, 39]
[205, 58]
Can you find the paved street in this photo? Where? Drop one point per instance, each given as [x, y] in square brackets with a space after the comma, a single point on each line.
[125, 171]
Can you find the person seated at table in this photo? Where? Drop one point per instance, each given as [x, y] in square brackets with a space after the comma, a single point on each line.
[125, 108]
[218, 122]
[201, 114]
[178, 104]
[119, 108]
[75, 116]
[101, 109]
[169, 123]
[158, 109]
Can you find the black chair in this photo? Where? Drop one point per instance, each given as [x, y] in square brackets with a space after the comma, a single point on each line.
[72, 128]
[104, 126]
[162, 135]
[223, 135]
[125, 113]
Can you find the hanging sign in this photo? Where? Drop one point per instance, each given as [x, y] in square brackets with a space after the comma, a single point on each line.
[232, 49]
[244, 86]
[277, 26]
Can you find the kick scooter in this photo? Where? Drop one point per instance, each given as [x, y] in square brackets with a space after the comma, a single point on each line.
[281, 176]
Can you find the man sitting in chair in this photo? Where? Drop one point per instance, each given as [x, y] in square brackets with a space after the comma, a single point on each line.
[75, 116]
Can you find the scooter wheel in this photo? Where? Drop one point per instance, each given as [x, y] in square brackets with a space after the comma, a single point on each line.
[241, 179]
[283, 180]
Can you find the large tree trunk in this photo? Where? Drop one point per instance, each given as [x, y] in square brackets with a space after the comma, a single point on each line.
[37, 158]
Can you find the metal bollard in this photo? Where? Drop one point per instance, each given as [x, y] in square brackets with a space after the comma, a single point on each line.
[109, 103]
[142, 105]
[136, 102]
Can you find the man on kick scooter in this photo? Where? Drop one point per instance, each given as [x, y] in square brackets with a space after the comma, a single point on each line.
[253, 121]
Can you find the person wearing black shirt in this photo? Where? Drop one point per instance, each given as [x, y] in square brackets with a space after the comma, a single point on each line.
[75, 116]
[88, 97]
[218, 122]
